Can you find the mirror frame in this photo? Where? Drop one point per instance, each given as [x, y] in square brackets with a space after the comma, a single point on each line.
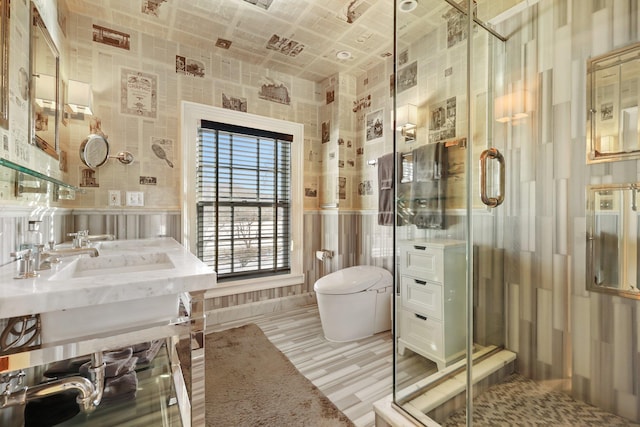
[4, 64]
[591, 197]
[610, 59]
[37, 24]
[88, 151]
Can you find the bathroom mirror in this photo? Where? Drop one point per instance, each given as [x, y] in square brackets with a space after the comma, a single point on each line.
[45, 87]
[613, 244]
[94, 151]
[612, 102]
[4, 64]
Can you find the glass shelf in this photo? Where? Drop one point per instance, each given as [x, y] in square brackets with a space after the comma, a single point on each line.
[9, 164]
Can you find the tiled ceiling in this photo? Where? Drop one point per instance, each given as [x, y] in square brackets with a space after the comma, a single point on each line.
[297, 37]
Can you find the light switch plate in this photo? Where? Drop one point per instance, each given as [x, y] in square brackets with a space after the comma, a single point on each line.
[135, 198]
[114, 198]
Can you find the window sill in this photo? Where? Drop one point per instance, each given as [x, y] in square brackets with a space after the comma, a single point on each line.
[251, 285]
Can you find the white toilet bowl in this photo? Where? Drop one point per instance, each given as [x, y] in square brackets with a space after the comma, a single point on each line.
[354, 302]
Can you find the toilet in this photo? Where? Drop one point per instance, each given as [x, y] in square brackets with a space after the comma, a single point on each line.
[354, 302]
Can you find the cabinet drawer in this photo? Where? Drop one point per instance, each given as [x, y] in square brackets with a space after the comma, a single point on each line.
[422, 296]
[422, 332]
[423, 261]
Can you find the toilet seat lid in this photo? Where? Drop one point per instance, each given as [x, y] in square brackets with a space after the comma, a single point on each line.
[353, 279]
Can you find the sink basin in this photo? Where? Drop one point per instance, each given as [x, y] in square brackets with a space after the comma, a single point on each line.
[114, 264]
[64, 325]
[135, 245]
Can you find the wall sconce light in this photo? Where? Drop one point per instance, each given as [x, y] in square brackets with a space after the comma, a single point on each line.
[79, 98]
[512, 106]
[46, 91]
[407, 121]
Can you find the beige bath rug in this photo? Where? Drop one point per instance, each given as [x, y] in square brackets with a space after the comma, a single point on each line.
[249, 382]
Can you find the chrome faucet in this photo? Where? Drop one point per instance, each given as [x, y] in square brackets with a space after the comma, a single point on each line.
[82, 238]
[52, 256]
[100, 237]
[79, 239]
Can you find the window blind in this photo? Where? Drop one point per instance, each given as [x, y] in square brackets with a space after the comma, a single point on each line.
[243, 200]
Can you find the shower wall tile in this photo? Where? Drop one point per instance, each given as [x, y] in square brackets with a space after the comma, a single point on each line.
[581, 336]
[545, 180]
[561, 134]
[579, 259]
[545, 250]
[601, 32]
[561, 230]
[544, 326]
[627, 405]
[562, 65]
[560, 290]
[545, 32]
[558, 356]
[513, 317]
[578, 85]
[621, 24]
[544, 110]
[527, 194]
[526, 286]
[526, 356]
[623, 350]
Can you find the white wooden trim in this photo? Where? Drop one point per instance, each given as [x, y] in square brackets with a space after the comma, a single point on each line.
[190, 116]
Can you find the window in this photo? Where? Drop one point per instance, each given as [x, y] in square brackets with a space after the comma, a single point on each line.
[243, 200]
[191, 119]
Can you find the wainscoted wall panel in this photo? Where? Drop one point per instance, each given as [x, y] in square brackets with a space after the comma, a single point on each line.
[360, 241]
[129, 224]
[57, 223]
[584, 342]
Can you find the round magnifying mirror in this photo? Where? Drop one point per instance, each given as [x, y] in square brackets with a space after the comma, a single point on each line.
[94, 151]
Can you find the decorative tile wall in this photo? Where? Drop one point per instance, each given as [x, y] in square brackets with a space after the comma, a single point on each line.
[582, 341]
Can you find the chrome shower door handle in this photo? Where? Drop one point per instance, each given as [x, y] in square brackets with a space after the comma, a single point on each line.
[491, 153]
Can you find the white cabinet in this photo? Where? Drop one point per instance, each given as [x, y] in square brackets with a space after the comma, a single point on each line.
[432, 316]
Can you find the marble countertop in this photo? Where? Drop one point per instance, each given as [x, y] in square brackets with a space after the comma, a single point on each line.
[129, 270]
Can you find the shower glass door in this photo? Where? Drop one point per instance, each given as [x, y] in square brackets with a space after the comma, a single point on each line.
[448, 310]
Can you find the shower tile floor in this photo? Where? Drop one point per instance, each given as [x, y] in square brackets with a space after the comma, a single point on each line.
[521, 401]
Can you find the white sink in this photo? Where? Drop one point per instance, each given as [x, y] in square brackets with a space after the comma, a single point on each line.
[113, 264]
[132, 284]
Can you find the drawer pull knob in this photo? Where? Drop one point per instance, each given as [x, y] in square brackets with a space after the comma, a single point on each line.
[421, 248]
[420, 282]
[419, 316]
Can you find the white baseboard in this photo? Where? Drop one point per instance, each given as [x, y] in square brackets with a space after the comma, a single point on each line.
[258, 308]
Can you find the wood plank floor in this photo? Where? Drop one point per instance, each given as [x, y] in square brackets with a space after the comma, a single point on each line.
[353, 375]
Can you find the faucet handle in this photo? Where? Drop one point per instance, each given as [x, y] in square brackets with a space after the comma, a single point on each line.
[79, 238]
[23, 254]
[26, 261]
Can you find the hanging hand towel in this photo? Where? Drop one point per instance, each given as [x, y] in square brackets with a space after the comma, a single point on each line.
[385, 189]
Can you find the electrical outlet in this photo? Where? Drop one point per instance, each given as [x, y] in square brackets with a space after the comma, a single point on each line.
[114, 198]
[135, 198]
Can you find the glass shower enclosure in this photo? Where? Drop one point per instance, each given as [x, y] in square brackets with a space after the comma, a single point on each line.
[449, 304]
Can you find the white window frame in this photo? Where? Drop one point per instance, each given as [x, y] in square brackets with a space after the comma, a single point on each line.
[190, 116]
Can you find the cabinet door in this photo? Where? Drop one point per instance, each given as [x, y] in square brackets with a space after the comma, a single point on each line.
[422, 296]
[422, 334]
[423, 261]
